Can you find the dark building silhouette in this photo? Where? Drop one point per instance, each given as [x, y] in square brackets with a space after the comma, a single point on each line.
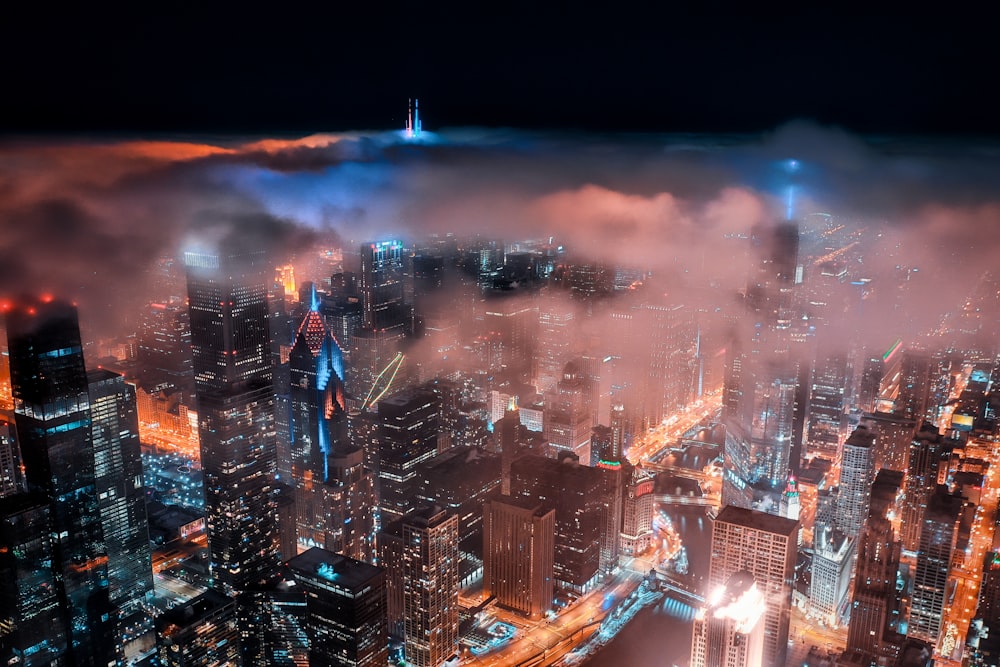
[231, 354]
[345, 609]
[938, 540]
[926, 449]
[52, 414]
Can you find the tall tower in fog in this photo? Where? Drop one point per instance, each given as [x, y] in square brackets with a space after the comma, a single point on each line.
[857, 472]
[230, 345]
[52, 413]
[382, 284]
[121, 500]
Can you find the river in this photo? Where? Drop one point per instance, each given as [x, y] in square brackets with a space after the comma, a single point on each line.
[660, 636]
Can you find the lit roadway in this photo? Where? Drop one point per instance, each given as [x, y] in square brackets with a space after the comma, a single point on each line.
[548, 640]
[664, 435]
[964, 582]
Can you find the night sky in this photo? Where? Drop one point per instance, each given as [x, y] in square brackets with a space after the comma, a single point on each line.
[175, 68]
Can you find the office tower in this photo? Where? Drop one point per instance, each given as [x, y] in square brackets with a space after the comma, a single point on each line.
[271, 618]
[729, 629]
[231, 355]
[833, 554]
[894, 435]
[351, 502]
[460, 480]
[580, 496]
[765, 386]
[382, 284]
[857, 472]
[921, 480]
[10, 457]
[637, 513]
[121, 502]
[875, 606]
[602, 445]
[518, 548]
[938, 538]
[914, 386]
[668, 348]
[765, 546]
[319, 430]
[52, 414]
[345, 609]
[199, 633]
[164, 353]
[511, 322]
[407, 435]
[420, 552]
[568, 417]
[556, 318]
[827, 421]
[32, 624]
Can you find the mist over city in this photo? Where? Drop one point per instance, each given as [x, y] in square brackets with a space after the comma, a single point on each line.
[445, 334]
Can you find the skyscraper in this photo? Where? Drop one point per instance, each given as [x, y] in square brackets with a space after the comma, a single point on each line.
[345, 609]
[382, 285]
[938, 538]
[729, 630]
[875, 607]
[921, 481]
[230, 345]
[32, 623]
[52, 413]
[121, 501]
[765, 546]
[857, 472]
[334, 492]
[420, 551]
[407, 435]
[518, 548]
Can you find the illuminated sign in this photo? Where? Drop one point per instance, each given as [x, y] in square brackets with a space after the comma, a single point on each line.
[962, 422]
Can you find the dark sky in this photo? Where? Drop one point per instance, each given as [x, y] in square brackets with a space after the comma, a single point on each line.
[179, 67]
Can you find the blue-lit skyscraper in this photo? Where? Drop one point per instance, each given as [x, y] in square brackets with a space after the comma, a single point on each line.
[231, 355]
[334, 492]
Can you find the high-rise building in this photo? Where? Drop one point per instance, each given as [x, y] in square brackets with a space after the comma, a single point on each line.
[518, 548]
[926, 449]
[581, 496]
[876, 605]
[555, 339]
[938, 539]
[121, 501]
[407, 435]
[833, 554]
[164, 353]
[729, 630]
[568, 419]
[231, 354]
[420, 552]
[345, 609]
[382, 284]
[827, 420]
[857, 472]
[334, 492]
[52, 414]
[32, 624]
[765, 546]
[200, 632]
